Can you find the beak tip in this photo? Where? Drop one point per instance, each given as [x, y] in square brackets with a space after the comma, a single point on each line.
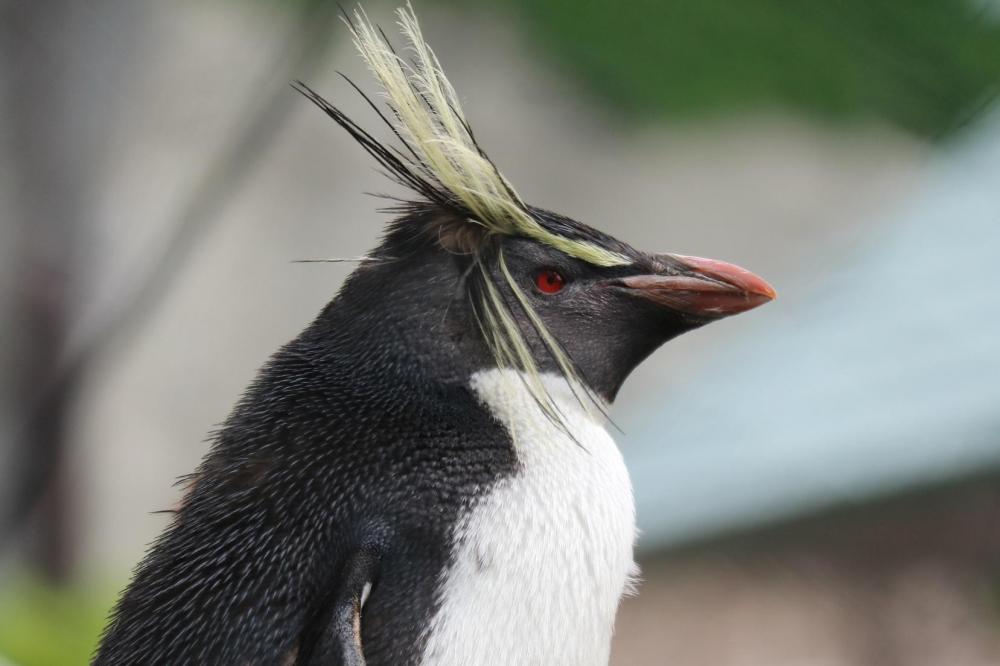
[766, 291]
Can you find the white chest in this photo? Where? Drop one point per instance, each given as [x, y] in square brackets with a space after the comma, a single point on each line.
[541, 562]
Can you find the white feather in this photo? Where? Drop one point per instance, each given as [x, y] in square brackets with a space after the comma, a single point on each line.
[541, 562]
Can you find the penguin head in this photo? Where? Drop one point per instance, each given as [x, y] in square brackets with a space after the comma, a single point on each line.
[609, 319]
[454, 296]
[472, 269]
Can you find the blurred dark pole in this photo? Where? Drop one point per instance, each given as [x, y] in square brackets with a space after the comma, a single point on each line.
[63, 61]
[60, 121]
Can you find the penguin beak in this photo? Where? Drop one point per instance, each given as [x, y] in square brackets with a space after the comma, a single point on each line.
[702, 288]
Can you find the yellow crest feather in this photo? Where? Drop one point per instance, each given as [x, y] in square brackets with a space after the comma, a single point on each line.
[430, 120]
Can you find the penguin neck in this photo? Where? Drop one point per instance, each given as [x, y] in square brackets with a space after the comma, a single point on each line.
[511, 399]
[409, 317]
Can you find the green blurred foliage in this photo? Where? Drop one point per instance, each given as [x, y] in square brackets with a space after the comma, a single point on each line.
[923, 65]
[42, 625]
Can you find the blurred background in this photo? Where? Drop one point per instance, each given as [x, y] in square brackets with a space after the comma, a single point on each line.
[818, 482]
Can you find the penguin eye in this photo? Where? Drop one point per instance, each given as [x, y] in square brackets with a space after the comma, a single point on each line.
[549, 281]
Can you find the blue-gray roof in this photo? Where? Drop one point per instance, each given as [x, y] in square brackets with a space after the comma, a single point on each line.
[882, 375]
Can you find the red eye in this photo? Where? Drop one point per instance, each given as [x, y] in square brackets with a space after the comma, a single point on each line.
[549, 281]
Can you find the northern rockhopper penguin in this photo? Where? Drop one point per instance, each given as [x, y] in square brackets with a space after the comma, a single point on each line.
[424, 475]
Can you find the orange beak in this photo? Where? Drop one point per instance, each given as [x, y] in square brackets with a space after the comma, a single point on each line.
[703, 287]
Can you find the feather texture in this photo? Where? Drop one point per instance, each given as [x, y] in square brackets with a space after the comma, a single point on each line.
[441, 161]
[430, 121]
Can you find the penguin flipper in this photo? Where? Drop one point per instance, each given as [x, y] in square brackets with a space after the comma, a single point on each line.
[339, 631]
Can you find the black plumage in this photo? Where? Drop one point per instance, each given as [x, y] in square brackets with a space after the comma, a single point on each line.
[321, 523]
[358, 436]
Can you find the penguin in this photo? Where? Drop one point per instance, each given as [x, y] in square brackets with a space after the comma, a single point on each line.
[425, 475]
